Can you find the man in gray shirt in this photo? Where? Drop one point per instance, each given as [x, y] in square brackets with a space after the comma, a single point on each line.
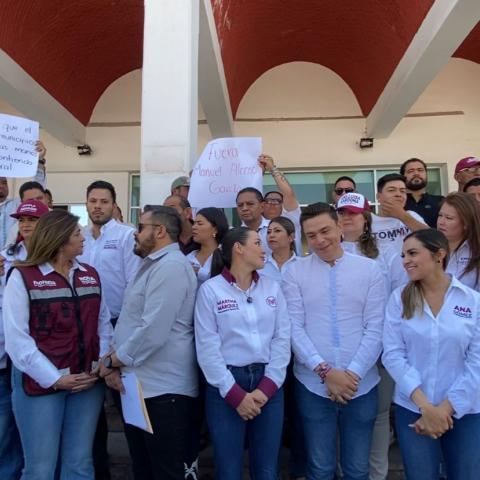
[154, 339]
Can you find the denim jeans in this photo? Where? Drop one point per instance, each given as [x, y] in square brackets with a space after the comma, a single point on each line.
[422, 454]
[59, 426]
[11, 456]
[321, 418]
[229, 431]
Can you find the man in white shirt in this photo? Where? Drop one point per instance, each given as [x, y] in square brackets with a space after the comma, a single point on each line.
[335, 302]
[250, 208]
[393, 223]
[109, 248]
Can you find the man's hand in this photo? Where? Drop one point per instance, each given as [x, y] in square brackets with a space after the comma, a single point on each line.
[341, 385]
[259, 397]
[266, 162]
[248, 409]
[75, 382]
[393, 208]
[114, 381]
[40, 148]
[434, 422]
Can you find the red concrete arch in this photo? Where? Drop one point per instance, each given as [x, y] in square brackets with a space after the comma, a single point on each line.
[74, 49]
[360, 41]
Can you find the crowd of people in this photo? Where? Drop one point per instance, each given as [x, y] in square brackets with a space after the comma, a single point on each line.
[307, 321]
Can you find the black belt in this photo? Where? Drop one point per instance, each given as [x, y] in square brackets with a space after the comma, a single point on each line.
[249, 368]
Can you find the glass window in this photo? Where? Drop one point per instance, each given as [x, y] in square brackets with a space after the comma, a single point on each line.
[134, 211]
[311, 187]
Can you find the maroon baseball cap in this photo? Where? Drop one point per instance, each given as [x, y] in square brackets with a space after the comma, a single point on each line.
[30, 208]
[353, 202]
[466, 162]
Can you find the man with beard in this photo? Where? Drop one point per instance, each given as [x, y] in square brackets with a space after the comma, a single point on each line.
[154, 339]
[109, 248]
[418, 199]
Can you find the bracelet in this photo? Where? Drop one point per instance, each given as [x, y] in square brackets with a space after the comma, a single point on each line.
[275, 171]
[323, 371]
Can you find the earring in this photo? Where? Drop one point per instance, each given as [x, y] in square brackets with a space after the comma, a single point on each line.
[214, 235]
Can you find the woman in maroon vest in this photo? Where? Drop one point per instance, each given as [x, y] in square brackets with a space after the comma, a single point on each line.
[56, 329]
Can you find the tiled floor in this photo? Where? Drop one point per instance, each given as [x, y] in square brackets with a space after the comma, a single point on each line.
[120, 461]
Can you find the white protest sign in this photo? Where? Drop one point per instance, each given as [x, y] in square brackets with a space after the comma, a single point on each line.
[18, 157]
[225, 166]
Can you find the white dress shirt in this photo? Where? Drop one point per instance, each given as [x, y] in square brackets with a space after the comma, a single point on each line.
[262, 232]
[390, 231]
[440, 354]
[458, 262]
[337, 316]
[111, 254]
[272, 270]
[21, 347]
[231, 331]
[202, 271]
[20, 254]
[389, 261]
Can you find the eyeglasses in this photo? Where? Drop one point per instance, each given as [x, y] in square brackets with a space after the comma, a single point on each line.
[471, 169]
[273, 201]
[341, 191]
[141, 226]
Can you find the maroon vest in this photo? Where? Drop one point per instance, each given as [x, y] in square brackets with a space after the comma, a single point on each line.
[63, 320]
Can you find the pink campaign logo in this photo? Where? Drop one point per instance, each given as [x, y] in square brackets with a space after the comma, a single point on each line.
[271, 301]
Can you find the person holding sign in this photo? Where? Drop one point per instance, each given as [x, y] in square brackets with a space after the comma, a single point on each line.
[242, 334]
[9, 206]
[56, 329]
[283, 202]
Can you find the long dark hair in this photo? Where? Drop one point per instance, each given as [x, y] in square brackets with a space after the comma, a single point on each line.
[217, 219]
[289, 227]
[367, 242]
[412, 296]
[469, 212]
[222, 256]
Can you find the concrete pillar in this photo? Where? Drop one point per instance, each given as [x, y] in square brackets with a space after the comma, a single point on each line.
[169, 95]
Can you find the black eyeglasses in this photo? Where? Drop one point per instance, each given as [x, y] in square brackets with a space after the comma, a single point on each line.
[341, 191]
[141, 226]
[273, 201]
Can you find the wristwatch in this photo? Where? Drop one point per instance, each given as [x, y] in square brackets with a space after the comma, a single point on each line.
[107, 362]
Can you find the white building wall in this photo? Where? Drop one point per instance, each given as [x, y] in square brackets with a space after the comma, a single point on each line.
[298, 96]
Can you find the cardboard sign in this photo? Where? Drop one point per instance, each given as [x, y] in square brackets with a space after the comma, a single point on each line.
[18, 157]
[225, 167]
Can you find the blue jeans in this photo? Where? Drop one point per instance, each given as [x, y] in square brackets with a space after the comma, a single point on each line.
[321, 417]
[421, 454]
[229, 431]
[11, 456]
[59, 426]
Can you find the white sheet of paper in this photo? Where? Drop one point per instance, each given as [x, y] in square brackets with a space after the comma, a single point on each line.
[18, 157]
[133, 404]
[225, 166]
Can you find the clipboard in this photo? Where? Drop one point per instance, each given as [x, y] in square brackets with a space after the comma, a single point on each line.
[134, 409]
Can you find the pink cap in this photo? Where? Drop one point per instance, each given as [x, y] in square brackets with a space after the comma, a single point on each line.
[30, 208]
[466, 162]
[354, 202]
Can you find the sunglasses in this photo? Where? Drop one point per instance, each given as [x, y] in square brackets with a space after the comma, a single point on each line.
[341, 191]
[141, 226]
[273, 201]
